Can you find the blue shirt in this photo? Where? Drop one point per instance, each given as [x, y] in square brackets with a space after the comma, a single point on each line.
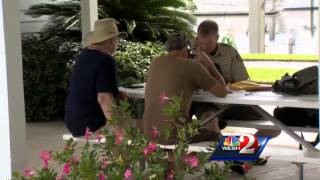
[93, 72]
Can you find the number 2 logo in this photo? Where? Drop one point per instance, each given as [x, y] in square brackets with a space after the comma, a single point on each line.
[248, 144]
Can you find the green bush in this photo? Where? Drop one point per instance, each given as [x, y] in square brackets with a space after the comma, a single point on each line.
[47, 66]
[124, 153]
[133, 60]
[46, 69]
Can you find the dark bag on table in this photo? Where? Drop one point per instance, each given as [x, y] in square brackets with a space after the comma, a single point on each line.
[304, 81]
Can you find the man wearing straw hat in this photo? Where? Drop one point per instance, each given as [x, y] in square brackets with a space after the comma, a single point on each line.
[93, 84]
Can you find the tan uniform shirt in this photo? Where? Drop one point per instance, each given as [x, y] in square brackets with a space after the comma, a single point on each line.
[171, 76]
[230, 63]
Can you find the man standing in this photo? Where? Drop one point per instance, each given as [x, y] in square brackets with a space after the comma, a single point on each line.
[93, 84]
[174, 74]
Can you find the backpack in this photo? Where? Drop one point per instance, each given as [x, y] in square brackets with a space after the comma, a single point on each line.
[304, 81]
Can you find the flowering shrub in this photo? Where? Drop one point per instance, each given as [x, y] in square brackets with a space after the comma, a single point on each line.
[128, 154]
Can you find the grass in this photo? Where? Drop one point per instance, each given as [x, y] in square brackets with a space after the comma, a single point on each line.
[268, 75]
[280, 57]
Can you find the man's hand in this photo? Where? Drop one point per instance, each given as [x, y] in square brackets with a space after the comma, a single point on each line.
[203, 58]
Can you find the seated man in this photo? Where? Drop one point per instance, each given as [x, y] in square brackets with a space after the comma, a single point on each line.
[232, 68]
[93, 84]
[174, 74]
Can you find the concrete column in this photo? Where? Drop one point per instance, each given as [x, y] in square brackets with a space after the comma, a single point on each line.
[89, 14]
[272, 33]
[318, 145]
[12, 114]
[319, 31]
[256, 26]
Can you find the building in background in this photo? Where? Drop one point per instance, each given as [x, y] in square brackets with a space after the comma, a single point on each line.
[291, 25]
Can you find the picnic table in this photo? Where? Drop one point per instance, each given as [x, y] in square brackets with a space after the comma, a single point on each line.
[252, 98]
[298, 157]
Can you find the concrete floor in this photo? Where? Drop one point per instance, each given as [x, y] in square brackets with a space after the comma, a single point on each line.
[48, 135]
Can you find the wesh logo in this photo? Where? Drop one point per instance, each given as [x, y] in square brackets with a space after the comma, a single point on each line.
[244, 147]
[231, 143]
[245, 144]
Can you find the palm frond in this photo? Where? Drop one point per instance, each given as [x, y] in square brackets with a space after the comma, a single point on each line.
[153, 19]
[166, 3]
[65, 8]
[176, 13]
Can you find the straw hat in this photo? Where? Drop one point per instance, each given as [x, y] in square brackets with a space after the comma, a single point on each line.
[104, 29]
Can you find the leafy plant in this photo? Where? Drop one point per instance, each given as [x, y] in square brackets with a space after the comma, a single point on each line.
[46, 69]
[124, 154]
[148, 20]
[133, 60]
[215, 172]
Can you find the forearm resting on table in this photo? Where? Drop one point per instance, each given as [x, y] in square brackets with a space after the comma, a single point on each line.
[106, 102]
[218, 89]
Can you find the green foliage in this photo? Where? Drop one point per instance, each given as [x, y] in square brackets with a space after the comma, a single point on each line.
[46, 69]
[190, 5]
[216, 172]
[46, 174]
[125, 154]
[142, 19]
[185, 129]
[133, 60]
[280, 57]
[65, 22]
[174, 108]
[89, 164]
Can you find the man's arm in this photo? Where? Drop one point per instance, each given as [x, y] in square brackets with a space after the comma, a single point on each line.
[206, 61]
[106, 102]
[218, 89]
[204, 80]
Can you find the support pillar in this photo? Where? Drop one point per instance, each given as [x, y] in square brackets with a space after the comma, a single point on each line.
[12, 113]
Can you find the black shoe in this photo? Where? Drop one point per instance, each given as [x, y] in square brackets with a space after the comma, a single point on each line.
[241, 168]
[222, 124]
[261, 161]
